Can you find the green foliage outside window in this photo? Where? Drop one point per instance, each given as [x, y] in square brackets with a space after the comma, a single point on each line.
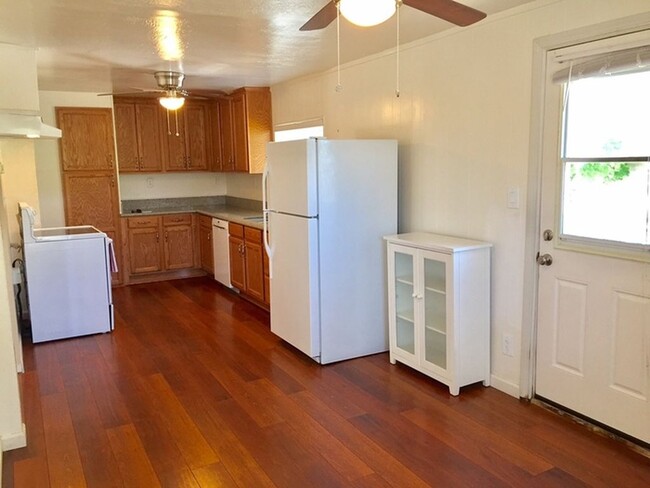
[607, 172]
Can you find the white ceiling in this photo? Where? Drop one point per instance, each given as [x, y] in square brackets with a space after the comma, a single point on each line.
[104, 45]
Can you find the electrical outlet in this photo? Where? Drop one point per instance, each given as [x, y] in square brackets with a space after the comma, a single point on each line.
[508, 345]
[149, 182]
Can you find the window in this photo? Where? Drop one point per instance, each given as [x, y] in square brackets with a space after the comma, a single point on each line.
[606, 160]
[289, 132]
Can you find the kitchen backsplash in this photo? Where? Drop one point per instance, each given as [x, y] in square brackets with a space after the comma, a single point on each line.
[158, 204]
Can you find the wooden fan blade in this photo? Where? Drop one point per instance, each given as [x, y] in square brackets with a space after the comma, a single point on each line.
[448, 10]
[322, 19]
[140, 92]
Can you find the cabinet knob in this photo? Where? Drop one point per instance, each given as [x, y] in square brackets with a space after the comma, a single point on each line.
[166, 236]
[157, 237]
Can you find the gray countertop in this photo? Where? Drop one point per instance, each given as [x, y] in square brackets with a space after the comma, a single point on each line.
[231, 213]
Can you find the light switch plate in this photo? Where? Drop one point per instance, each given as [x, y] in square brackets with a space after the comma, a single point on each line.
[513, 197]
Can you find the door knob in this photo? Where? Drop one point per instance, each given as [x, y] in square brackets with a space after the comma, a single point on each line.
[544, 259]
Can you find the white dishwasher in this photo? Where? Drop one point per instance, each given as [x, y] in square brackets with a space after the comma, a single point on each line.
[221, 251]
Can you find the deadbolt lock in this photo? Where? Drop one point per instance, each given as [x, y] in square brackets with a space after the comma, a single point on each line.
[548, 235]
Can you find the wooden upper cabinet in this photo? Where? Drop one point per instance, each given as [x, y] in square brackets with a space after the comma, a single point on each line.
[214, 132]
[137, 129]
[147, 118]
[224, 105]
[126, 137]
[196, 127]
[251, 123]
[188, 151]
[87, 144]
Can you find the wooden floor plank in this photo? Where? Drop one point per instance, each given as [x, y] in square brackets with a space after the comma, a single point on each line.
[214, 475]
[64, 462]
[30, 472]
[134, 465]
[192, 389]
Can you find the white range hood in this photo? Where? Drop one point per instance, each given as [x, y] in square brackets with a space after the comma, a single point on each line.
[26, 125]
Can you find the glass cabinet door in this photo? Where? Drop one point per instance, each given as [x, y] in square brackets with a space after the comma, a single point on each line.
[435, 310]
[404, 302]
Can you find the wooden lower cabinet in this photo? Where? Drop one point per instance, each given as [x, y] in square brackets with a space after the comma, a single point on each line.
[158, 243]
[247, 261]
[178, 245]
[205, 243]
[267, 280]
[237, 259]
[254, 263]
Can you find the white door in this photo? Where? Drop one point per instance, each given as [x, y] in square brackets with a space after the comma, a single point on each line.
[593, 330]
[295, 314]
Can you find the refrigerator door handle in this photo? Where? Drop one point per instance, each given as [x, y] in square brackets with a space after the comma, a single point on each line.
[265, 211]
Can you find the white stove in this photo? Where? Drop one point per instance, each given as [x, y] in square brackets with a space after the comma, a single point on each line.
[68, 274]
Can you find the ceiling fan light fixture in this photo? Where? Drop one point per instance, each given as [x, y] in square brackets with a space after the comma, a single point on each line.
[171, 103]
[366, 13]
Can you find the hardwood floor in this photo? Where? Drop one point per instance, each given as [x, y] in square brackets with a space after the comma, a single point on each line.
[193, 390]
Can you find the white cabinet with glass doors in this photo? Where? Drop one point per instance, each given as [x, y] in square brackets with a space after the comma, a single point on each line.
[439, 307]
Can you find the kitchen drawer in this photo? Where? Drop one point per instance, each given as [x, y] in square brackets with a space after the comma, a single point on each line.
[253, 235]
[142, 222]
[236, 230]
[177, 219]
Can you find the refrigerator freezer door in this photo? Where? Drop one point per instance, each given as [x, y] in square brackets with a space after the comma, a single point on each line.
[291, 177]
[294, 281]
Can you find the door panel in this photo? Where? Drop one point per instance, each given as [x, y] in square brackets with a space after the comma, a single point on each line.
[593, 323]
[126, 136]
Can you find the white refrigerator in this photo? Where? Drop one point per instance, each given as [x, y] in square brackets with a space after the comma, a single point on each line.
[327, 205]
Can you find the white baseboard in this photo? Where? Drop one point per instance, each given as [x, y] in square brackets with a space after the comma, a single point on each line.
[14, 441]
[505, 386]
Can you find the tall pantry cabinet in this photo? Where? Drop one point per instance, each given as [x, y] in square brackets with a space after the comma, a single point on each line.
[89, 171]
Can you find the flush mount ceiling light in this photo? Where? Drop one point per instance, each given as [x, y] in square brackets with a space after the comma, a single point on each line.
[171, 101]
[366, 13]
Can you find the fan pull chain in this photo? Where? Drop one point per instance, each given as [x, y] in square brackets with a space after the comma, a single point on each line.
[339, 87]
[176, 115]
[169, 129]
[399, 4]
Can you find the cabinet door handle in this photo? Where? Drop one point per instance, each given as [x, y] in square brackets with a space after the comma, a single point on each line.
[166, 236]
[209, 236]
[113, 181]
[157, 237]
[110, 160]
[189, 161]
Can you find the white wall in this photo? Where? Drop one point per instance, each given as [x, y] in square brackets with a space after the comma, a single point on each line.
[244, 186]
[171, 185]
[462, 121]
[18, 91]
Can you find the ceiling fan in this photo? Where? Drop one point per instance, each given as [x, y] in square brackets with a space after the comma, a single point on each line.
[170, 84]
[367, 13]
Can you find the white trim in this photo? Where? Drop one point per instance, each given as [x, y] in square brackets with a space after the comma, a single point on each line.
[14, 441]
[505, 386]
[541, 46]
